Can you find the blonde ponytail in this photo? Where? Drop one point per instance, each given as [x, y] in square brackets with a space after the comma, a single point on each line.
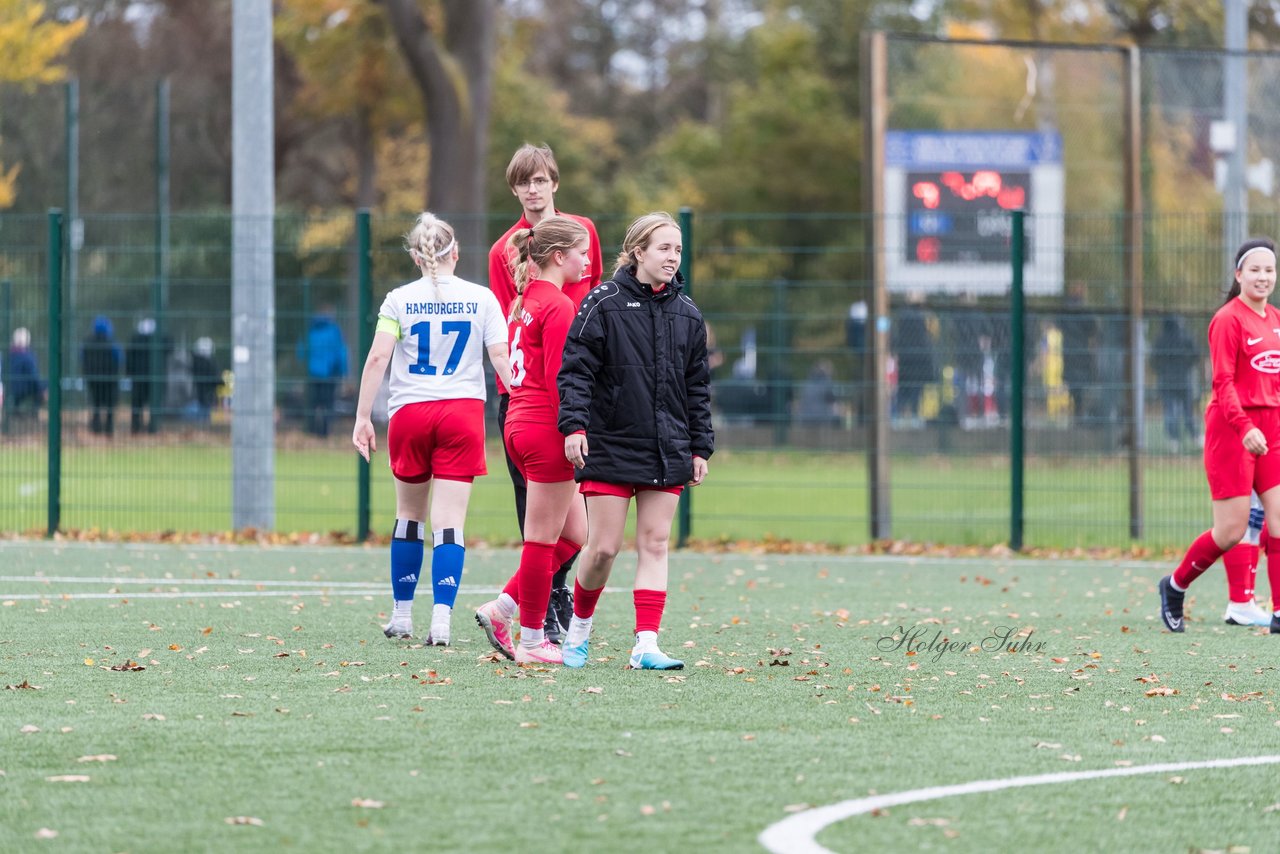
[430, 240]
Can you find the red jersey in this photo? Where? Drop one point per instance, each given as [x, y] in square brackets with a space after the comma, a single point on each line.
[537, 339]
[1245, 350]
[502, 279]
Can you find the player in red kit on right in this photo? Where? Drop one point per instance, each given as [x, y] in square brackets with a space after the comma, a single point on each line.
[1242, 424]
[551, 255]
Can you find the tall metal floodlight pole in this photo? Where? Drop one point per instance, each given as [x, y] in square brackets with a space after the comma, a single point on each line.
[253, 307]
[1235, 198]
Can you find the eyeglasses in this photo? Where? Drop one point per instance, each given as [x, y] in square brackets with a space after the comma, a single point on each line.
[539, 183]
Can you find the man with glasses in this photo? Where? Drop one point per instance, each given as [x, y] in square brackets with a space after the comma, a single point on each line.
[534, 178]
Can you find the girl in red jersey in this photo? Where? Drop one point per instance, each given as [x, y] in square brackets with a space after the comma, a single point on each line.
[555, 523]
[1242, 423]
[635, 410]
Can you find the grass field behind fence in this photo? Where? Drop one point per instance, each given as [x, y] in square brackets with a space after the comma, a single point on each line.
[272, 715]
[751, 495]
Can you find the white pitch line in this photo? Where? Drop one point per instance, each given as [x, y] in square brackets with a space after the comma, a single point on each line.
[230, 594]
[178, 582]
[224, 594]
[795, 834]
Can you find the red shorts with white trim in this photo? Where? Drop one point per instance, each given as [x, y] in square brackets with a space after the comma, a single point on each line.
[1231, 470]
[538, 451]
[623, 490]
[437, 438]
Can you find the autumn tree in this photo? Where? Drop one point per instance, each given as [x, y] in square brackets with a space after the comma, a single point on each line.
[31, 52]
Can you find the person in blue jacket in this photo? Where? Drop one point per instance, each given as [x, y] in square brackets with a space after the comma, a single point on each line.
[324, 352]
[101, 359]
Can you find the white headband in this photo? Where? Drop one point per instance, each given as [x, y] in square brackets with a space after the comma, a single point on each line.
[1240, 263]
[445, 251]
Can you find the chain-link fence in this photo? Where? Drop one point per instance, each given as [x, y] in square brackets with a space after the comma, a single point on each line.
[786, 298]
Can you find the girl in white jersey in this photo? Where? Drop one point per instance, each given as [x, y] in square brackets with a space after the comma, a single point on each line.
[433, 332]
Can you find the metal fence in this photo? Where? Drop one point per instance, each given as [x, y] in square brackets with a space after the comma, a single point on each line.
[786, 298]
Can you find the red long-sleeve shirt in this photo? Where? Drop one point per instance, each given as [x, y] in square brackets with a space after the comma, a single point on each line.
[1245, 350]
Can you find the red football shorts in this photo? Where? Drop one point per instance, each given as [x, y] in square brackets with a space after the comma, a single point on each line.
[538, 451]
[437, 438]
[1232, 471]
[623, 490]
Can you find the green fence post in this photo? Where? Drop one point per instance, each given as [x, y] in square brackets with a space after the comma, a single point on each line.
[364, 263]
[6, 332]
[1017, 362]
[685, 508]
[781, 345]
[55, 371]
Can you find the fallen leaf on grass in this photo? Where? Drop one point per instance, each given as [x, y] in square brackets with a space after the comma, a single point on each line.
[528, 725]
[46, 833]
[1177, 781]
[1048, 745]
[593, 690]
[29, 728]
[24, 685]
[1148, 679]
[1272, 808]
[244, 819]
[926, 822]
[1162, 691]
[129, 666]
[68, 778]
[1123, 812]
[101, 757]
[795, 807]
[367, 803]
[150, 717]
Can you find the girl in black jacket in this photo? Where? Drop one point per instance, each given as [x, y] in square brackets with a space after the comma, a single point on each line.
[635, 410]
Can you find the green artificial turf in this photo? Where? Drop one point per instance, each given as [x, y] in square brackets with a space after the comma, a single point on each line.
[295, 712]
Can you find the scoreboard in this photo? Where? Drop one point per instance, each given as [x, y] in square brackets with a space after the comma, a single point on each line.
[949, 197]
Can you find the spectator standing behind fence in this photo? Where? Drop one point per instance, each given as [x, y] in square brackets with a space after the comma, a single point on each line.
[1174, 355]
[146, 369]
[817, 405]
[1079, 340]
[206, 376]
[101, 361]
[25, 391]
[1242, 424]
[534, 178]
[635, 411]
[912, 346]
[324, 351]
[434, 332]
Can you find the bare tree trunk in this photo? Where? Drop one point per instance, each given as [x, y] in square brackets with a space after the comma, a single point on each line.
[455, 81]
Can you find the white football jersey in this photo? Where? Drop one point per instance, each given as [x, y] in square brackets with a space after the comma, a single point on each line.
[441, 339]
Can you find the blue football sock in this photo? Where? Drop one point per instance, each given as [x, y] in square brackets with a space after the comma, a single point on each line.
[406, 559]
[446, 564]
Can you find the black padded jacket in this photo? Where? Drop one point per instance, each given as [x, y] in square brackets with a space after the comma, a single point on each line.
[635, 378]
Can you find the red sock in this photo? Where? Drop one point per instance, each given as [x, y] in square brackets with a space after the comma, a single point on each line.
[1271, 545]
[1241, 564]
[513, 586]
[1203, 552]
[584, 600]
[649, 605]
[565, 549]
[535, 582]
